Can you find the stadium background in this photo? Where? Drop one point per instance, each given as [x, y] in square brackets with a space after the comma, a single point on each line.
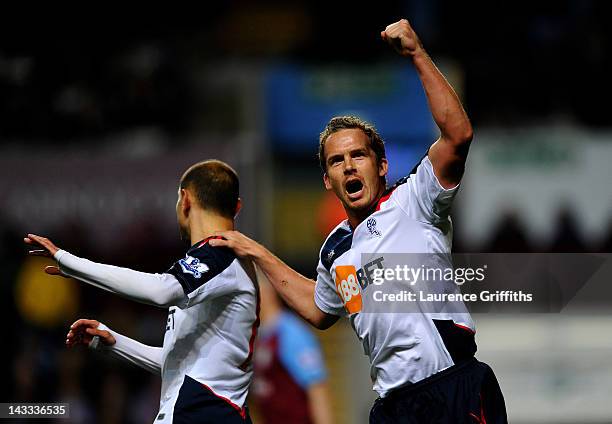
[98, 121]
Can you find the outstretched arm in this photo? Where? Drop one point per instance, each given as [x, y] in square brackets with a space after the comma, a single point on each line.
[154, 289]
[295, 289]
[449, 152]
[83, 332]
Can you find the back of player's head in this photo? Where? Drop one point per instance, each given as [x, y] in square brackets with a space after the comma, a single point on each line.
[215, 185]
[350, 122]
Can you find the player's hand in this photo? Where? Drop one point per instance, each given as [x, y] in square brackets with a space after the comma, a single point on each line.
[44, 247]
[242, 246]
[402, 38]
[83, 331]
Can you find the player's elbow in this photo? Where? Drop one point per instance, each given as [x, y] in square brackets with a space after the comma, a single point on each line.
[162, 301]
[322, 325]
[465, 135]
[460, 137]
[320, 320]
[316, 323]
[468, 134]
[168, 299]
[457, 132]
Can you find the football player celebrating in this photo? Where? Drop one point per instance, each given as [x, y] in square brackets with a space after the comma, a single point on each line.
[212, 296]
[422, 362]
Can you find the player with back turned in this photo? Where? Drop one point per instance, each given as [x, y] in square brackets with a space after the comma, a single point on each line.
[422, 363]
[213, 300]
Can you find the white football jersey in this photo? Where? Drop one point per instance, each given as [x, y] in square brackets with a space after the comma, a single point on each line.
[403, 347]
[210, 340]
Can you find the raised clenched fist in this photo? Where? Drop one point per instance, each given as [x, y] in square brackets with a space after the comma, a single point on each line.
[402, 38]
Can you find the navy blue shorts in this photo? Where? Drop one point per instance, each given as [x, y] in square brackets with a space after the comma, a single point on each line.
[196, 403]
[467, 393]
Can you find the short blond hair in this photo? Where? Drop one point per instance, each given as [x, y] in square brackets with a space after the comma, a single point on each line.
[349, 122]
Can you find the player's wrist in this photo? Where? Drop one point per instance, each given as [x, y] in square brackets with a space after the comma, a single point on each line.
[256, 252]
[58, 255]
[99, 343]
[419, 53]
[265, 256]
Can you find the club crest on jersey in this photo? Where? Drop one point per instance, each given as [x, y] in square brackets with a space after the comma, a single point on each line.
[193, 266]
[371, 224]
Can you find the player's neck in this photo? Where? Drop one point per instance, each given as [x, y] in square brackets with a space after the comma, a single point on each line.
[356, 217]
[204, 224]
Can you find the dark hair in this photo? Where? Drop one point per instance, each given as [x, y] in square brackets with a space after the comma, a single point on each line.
[348, 122]
[215, 185]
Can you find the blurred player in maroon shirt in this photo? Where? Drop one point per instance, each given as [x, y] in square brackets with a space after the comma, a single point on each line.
[289, 385]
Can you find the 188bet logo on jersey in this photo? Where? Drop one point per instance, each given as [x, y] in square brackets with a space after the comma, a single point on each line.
[348, 288]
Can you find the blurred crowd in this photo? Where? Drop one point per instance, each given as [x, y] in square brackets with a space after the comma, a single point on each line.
[523, 62]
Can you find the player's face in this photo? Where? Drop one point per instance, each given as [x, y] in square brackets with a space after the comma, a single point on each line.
[352, 170]
[182, 218]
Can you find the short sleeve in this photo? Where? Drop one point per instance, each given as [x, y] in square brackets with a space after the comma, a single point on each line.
[300, 353]
[206, 272]
[422, 196]
[326, 297]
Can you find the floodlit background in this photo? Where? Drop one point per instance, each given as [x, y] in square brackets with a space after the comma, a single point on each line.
[99, 120]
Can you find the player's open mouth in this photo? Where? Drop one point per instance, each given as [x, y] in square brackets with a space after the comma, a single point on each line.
[354, 189]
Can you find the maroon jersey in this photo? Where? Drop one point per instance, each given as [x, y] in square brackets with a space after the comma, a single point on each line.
[287, 361]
